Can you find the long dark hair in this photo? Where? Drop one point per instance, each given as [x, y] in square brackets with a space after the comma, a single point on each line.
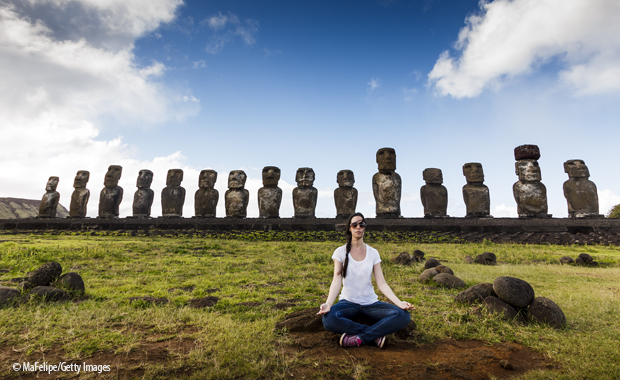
[349, 236]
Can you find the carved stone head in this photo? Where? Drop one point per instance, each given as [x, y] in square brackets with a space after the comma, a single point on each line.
[52, 183]
[174, 177]
[386, 158]
[528, 170]
[304, 177]
[345, 178]
[113, 175]
[236, 179]
[81, 178]
[207, 179]
[473, 172]
[271, 176]
[576, 169]
[145, 178]
[432, 176]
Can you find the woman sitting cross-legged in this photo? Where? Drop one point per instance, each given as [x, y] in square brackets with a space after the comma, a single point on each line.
[354, 265]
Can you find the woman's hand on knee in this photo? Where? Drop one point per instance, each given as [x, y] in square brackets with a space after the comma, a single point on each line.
[405, 305]
[324, 309]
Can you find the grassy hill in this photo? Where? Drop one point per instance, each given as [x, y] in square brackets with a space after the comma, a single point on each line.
[15, 208]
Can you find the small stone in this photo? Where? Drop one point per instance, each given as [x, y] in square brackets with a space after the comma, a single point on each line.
[418, 255]
[449, 280]
[49, 293]
[403, 258]
[579, 261]
[497, 306]
[304, 320]
[587, 259]
[201, 303]
[431, 263]
[514, 291]
[469, 259]
[428, 274]
[72, 281]
[25, 286]
[7, 294]
[566, 260]
[505, 364]
[476, 293]
[46, 274]
[544, 310]
[486, 258]
[443, 269]
[407, 332]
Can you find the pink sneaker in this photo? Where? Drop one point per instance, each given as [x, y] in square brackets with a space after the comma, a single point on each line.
[350, 340]
[380, 341]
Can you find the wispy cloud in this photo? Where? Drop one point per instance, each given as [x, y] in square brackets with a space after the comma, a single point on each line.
[227, 28]
[513, 37]
[373, 84]
[269, 52]
[200, 64]
[191, 98]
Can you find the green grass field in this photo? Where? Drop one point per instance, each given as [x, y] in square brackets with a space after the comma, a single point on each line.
[237, 339]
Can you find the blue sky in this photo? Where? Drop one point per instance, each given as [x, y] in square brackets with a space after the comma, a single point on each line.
[162, 84]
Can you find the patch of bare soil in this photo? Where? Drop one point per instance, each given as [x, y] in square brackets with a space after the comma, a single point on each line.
[320, 355]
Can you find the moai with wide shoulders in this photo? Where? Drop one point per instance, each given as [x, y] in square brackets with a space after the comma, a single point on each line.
[345, 196]
[49, 202]
[237, 197]
[529, 192]
[387, 185]
[80, 195]
[111, 195]
[305, 195]
[434, 195]
[206, 197]
[173, 195]
[475, 192]
[143, 197]
[270, 195]
[580, 193]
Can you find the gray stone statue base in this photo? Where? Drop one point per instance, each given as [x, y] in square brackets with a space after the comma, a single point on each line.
[139, 217]
[389, 215]
[586, 216]
[203, 216]
[535, 216]
[478, 215]
[304, 217]
[77, 217]
[436, 216]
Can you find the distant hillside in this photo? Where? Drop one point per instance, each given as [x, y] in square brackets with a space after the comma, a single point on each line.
[15, 208]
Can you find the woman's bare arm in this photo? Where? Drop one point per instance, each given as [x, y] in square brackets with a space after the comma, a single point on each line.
[334, 288]
[387, 291]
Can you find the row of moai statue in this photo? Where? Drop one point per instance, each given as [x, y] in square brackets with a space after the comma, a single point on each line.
[529, 192]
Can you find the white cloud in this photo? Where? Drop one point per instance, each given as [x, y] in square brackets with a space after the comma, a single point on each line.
[191, 98]
[373, 84]
[503, 211]
[606, 200]
[513, 37]
[58, 87]
[231, 27]
[219, 21]
[200, 64]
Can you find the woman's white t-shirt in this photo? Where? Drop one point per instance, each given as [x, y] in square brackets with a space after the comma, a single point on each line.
[357, 285]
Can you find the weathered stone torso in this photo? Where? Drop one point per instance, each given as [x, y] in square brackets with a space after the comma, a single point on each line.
[477, 200]
[205, 202]
[531, 198]
[142, 202]
[172, 200]
[269, 200]
[434, 199]
[109, 201]
[387, 191]
[582, 197]
[346, 201]
[49, 203]
[236, 201]
[304, 201]
[79, 201]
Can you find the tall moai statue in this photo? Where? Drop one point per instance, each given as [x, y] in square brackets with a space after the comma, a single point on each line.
[434, 195]
[387, 185]
[305, 195]
[173, 195]
[530, 194]
[476, 193]
[270, 195]
[345, 196]
[49, 202]
[579, 191]
[80, 195]
[237, 197]
[111, 195]
[143, 197]
[206, 197]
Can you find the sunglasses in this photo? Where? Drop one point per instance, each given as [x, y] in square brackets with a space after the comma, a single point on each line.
[361, 225]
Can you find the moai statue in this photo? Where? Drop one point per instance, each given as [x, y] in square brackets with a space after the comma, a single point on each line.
[111, 195]
[173, 195]
[579, 191]
[206, 197]
[49, 202]
[143, 197]
[345, 196]
[236, 197]
[80, 196]
[387, 185]
[530, 194]
[304, 195]
[475, 193]
[434, 195]
[270, 195]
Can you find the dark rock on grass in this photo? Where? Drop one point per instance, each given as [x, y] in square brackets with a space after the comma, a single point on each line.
[4, 271]
[48, 293]
[201, 303]
[25, 286]
[431, 263]
[513, 290]
[497, 306]
[283, 305]
[579, 261]
[304, 320]
[428, 274]
[418, 256]
[19, 279]
[71, 281]
[566, 260]
[587, 259]
[448, 280]
[476, 293]
[407, 332]
[469, 259]
[486, 258]
[443, 269]
[46, 274]
[7, 294]
[505, 364]
[543, 310]
[154, 300]
[403, 258]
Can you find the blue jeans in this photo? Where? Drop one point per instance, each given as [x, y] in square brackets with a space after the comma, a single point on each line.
[387, 319]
